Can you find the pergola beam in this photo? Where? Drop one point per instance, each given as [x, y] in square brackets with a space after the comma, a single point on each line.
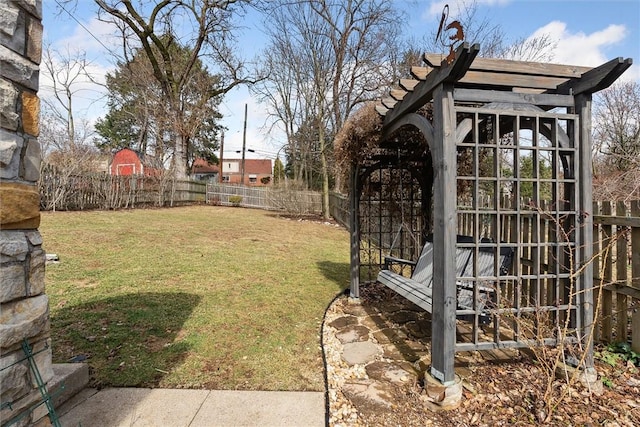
[488, 96]
[489, 78]
[423, 92]
[596, 79]
[515, 67]
[398, 94]
[420, 73]
[389, 102]
[381, 109]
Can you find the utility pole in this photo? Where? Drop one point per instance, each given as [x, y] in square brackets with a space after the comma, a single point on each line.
[221, 159]
[244, 142]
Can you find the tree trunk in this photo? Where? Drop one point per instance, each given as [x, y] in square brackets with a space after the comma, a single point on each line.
[325, 175]
[180, 158]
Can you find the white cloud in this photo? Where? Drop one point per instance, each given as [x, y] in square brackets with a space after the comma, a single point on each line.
[580, 48]
[632, 74]
[97, 38]
[455, 6]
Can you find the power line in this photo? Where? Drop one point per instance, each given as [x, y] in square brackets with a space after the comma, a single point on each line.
[86, 29]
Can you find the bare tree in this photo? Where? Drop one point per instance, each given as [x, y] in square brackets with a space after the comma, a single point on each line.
[298, 64]
[494, 43]
[65, 133]
[364, 35]
[327, 57]
[617, 124]
[205, 26]
[364, 38]
[617, 141]
[67, 74]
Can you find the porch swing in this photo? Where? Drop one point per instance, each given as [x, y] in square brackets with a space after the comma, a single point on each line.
[472, 297]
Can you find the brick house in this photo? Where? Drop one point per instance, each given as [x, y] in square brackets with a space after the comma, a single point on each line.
[205, 171]
[258, 172]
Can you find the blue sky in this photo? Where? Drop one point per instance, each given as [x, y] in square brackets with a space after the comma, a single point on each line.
[587, 32]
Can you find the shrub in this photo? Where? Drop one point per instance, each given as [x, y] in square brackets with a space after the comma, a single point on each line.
[235, 200]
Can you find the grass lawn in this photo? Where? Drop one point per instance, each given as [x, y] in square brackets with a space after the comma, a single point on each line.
[193, 297]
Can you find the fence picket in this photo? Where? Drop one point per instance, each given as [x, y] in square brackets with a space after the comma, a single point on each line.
[616, 249]
[626, 286]
[101, 191]
[597, 263]
[635, 277]
[607, 295]
[621, 275]
[270, 198]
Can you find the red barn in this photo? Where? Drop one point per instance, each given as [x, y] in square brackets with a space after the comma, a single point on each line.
[128, 162]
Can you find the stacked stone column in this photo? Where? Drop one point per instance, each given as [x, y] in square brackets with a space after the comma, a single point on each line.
[24, 307]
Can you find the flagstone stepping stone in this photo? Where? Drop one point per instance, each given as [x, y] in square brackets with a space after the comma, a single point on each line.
[360, 352]
[369, 396]
[404, 350]
[395, 372]
[391, 351]
[388, 335]
[374, 322]
[390, 307]
[343, 321]
[404, 316]
[354, 309]
[353, 333]
[419, 328]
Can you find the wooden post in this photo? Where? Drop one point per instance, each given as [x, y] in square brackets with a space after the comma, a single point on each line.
[635, 274]
[607, 295]
[585, 241]
[621, 276]
[354, 229]
[443, 322]
[221, 157]
[597, 336]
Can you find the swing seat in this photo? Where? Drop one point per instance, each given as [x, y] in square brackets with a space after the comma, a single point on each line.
[418, 288]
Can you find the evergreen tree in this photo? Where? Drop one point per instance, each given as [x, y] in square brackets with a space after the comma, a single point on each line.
[278, 171]
[139, 117]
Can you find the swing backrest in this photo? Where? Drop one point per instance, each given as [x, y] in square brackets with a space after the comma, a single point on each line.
[486, 275]
[486, 266]
[423, 271]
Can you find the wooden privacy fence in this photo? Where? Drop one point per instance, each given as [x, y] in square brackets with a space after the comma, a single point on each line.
[270, 198]
[616, 235]
[339, 206]
[59, 191]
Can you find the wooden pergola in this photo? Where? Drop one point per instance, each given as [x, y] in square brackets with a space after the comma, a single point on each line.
[505, 159]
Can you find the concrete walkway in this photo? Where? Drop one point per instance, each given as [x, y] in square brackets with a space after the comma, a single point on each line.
[113, 407]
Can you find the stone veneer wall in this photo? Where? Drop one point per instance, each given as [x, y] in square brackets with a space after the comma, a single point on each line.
[24, 307]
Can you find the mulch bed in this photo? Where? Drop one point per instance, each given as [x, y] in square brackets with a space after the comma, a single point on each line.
[508, 389]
